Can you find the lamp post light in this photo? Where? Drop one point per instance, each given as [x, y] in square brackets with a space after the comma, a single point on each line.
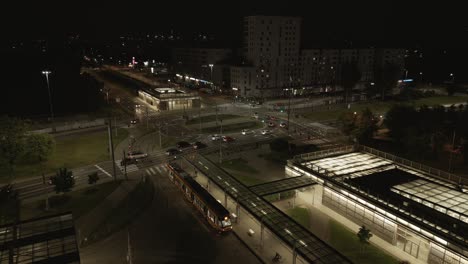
[453, 77]
[46, 73]
[211, 74]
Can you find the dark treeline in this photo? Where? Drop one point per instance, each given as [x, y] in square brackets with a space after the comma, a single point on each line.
[24, 87]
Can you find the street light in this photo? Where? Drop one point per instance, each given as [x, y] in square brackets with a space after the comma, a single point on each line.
[453, 77]
[211, 69]
[421, 74]
[46, 73]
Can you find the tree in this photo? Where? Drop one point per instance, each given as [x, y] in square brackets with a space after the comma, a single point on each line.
[350, 76]
[93, 178]
[364, 235]
[451, 89]
[386, 78]
[63, 180]
[360, 126]
[12, 135]
[39, 147]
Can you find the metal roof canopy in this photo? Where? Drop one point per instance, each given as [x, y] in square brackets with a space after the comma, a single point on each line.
[306, 244]
[49, 239]
[282, 185]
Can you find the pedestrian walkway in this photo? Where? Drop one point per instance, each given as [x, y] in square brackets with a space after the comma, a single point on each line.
[88, 223]
[154, 170]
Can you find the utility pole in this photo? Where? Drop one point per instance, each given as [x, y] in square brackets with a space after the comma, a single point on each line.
[199, 117]
[111, 146]
[47, 193]
[115, 126]
[125, 165]
[216, 105]
[220, 143]
[129, 249]
[451, 152]
[160, 141]
[147, 119]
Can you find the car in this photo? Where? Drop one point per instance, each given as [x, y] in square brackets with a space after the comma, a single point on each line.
[50, 181]
[228, 139]
[266, 132]
[128, 161]
[172, 151]
[199, 145]
[271, 124]
[283, 125]
[183, 144]
[255, 115]
[215, 137]
[137, 106]
[133, 121]
[272, 118]
[136, 155]
[244, 131]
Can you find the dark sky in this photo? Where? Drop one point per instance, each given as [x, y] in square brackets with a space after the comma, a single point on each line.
[441, 23]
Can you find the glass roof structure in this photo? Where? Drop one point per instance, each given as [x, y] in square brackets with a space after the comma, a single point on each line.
[49, 239]
[307, 245]
[352, 165]
[441, 206]
[441, 198]
[282, 185]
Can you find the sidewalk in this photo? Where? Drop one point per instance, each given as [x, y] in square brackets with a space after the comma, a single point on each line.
[88, 223]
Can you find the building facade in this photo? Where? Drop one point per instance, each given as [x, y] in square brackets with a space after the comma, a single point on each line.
[201, 63]
[276, 63]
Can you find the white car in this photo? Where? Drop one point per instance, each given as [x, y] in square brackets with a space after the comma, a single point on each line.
[265, 132]
[215, 137]
[137, 155]
[244, 132]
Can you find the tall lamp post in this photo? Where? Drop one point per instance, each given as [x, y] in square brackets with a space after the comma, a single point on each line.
[46, 73]
[211, 74]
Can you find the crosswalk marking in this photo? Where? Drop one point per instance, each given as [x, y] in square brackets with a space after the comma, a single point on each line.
[158, 169]
[152, 170]
[130, 168]
[101, 169]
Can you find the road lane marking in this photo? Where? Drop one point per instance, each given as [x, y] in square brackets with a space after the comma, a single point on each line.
[101, 169]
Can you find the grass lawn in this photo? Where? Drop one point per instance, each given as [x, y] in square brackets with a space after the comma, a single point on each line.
[382, 107]
[348, 244]
[70, 151]
[442, 100]
[300, 215]
[210, 118]
[240, 165]
[78, 202]
[276, 157]
[234, 127]
[125, 212]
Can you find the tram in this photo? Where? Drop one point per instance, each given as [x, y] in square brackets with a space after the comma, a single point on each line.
[213, 211]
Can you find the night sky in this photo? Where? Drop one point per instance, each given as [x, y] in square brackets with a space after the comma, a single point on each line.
[380, 22]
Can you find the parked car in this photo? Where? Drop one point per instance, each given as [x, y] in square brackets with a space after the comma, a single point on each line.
[283, 125]
[136, 155]
[215, 137]
[199, 145]
[172, 151]
[244, 131]
[255, 115]
[271, 124]
[265, 131]
[183, 144]
[228, 139]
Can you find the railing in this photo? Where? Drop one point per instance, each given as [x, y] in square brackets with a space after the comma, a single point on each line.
[325, 153]
[418, 166]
